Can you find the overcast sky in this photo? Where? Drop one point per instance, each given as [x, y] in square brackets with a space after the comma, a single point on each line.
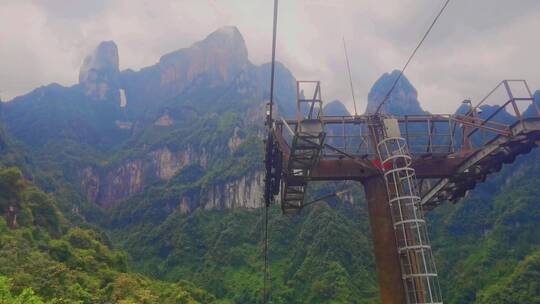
[476, 43]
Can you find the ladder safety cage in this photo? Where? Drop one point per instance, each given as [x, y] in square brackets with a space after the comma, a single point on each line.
[419, 273]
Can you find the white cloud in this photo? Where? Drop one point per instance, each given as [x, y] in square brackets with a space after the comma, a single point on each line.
[474, 45]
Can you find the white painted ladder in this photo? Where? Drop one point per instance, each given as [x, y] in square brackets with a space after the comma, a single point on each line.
[417, 264]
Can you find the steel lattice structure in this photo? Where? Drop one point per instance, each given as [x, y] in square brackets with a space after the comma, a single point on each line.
[407, 164]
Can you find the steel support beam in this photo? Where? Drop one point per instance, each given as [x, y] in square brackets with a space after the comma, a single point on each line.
[348, 169]
[384, 242]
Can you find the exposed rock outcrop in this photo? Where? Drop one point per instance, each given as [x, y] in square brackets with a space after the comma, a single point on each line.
[216, 61]
[130, 177]
[235, 141]
[220, 58]
[122, 182]
[164, 120]
[245, 192]
[99, 72]
[165, 164]
[184, 206]
[90, 183]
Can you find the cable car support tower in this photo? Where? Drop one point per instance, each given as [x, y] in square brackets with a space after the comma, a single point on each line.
[407, 164]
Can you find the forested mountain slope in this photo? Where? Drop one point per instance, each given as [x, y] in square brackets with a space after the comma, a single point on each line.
[487, 245]
[44, 258]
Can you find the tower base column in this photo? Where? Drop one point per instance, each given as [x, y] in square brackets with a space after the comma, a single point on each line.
[384, 242]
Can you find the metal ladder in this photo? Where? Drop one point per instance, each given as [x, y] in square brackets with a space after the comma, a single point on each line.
[307, 145]
[417, 264]
[306, 148]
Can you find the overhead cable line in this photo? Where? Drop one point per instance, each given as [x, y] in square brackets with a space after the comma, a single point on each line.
[266, 271]
[274, 33]
[387, 96]
[270, 178]
[350, 76]
[338, 194]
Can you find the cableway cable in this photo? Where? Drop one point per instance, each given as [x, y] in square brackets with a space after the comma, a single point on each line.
[274, 33]
[350, 76]
[346, 188]
[387, 96]
[270, 180]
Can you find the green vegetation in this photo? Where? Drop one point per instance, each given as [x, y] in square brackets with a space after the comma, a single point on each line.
[323, 256]
[485, 245]
[522, 286]
[488, 244]
[43, 258]
[27, 296]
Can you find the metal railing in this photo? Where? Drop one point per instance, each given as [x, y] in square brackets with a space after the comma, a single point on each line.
[432, 135]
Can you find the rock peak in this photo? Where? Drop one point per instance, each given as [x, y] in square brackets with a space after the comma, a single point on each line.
[403, 100]
[105, 56]
[228, 38]
[230, 30]
[219, 58]
[99, 71]
[335, 108]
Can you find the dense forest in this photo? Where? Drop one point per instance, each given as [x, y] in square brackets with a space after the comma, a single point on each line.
[46, 259]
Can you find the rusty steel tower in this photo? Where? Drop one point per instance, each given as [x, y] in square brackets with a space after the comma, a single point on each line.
[407, 165]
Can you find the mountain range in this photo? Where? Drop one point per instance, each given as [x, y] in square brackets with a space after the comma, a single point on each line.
[153, 179]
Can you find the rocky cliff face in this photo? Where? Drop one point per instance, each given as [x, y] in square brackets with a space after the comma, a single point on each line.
[113, 185]
[247, 192]
[165, 164]
[99, 72]
[220, 57]
[403, 100]
[129, 178]
[215, 61]
[106, 187]
[122, 182]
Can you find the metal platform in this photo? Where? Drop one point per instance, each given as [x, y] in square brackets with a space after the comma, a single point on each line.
[503, 149]
[451, 153]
